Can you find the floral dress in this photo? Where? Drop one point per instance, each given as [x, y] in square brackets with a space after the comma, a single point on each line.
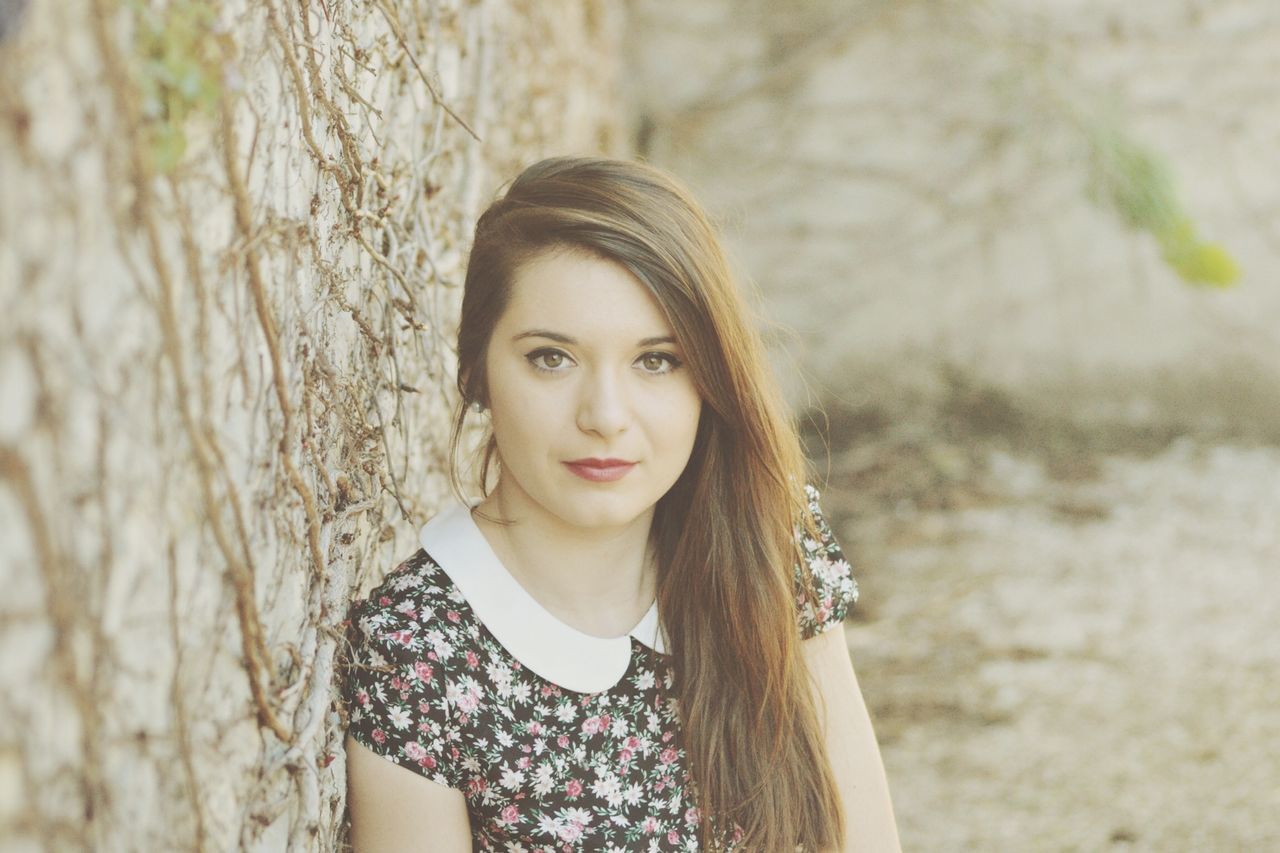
[559, 741]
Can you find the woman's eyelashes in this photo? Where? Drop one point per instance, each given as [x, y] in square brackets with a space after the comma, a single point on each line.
[663, 362]
[554, 358]
[548, 360]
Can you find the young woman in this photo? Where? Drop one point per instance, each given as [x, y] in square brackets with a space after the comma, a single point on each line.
[631, 640]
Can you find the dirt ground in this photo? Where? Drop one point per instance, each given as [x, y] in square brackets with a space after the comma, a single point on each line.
[1069, 651]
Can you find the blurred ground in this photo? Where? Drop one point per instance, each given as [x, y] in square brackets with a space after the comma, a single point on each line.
[1068, 641]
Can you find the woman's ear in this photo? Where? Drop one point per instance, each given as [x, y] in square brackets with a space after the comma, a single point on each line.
[474, 397]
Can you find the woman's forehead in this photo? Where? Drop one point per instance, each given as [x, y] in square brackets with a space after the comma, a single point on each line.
[585, 298]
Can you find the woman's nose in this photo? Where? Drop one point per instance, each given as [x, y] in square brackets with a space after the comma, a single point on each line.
[602, 407]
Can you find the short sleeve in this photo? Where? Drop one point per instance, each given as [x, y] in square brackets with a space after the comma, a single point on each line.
[395, 688]
[825, 567]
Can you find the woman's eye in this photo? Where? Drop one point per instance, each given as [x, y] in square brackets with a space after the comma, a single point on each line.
[551, 360]
[659, 362]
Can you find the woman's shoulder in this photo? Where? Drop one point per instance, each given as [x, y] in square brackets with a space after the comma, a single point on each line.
[825, 585]
[415, 595]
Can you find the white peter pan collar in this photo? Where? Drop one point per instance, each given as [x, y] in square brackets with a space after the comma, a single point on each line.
[554, 650]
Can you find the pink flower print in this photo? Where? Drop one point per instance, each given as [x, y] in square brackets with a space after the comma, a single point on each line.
[473, 660]
[633, 742]
[591, 725]
[423, 670]
[573, 788]
[362, 696]
[650, 825]
[380, 736]
[453, 616]
[523, 763]
[510, 814]
[418, 754]
[384, 601]
[562, 741]
[546, 690]
[572, 832]
[668, 756]
[625, 754]
[432, 656]
[666, 736]
[693, 816]
[673, 837]
[535, 728]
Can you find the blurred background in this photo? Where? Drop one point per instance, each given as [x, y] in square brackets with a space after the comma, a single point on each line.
[1016, 262]
[1023, 260]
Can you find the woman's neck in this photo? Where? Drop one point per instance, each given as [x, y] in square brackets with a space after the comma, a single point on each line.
[598, 580]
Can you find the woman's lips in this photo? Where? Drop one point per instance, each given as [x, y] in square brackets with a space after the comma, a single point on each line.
[600, 472]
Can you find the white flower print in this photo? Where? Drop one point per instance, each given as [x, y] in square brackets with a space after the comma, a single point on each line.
[548, 825]
[581, 816]
[644, 680]
[399, 717]
[438, 644]
[543, 780]
[512, 779]
[407, 581]
[499, 674]
[566, 712]
[609, 789]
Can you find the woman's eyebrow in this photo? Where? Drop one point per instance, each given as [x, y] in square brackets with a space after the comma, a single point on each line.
[565, 339]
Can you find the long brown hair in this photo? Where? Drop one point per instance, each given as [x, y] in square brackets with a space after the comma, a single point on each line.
[725, 534]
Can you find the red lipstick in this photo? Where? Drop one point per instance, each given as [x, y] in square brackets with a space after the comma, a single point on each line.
[600, 470]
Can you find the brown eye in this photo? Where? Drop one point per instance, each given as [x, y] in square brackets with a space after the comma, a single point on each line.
[547, 360]
[659, 362]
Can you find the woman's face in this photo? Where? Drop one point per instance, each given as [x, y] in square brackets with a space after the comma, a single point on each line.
[582, 367]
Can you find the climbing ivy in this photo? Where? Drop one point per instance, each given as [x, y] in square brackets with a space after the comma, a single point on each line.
[178, 71]
[1140, 186]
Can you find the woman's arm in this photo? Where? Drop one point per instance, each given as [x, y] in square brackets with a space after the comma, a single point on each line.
[851, 746]
[394, 809]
